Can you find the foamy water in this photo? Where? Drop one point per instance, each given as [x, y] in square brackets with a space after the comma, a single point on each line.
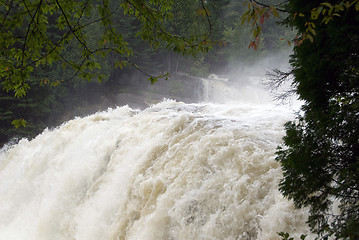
[172, 171]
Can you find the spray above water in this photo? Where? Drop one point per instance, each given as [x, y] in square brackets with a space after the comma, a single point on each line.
[223, 90]
[244, 83]
[172, 171]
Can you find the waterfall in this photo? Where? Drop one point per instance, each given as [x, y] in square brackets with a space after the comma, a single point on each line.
[222, 90]
[171, 171]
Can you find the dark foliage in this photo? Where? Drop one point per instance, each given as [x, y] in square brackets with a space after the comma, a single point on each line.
[320, 158]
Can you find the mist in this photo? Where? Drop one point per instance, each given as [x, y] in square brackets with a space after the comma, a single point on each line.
[239, 82]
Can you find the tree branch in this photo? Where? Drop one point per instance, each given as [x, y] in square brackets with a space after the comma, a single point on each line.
[207, 16]
[71, 29]
[28, 29]
[8, 11]
[269, 6]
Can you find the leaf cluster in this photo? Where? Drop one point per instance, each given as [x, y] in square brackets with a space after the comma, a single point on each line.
[320, 156]
[37, 33]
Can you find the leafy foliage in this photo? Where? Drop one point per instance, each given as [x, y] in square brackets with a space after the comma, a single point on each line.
[51, 51]
[258, 11]
[28, 39]
[47, 46]
[286, 236]
[320, 158]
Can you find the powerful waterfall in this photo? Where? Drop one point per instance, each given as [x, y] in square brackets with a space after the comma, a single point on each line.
[171, 171]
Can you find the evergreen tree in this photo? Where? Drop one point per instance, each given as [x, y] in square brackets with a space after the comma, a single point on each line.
[320, 156]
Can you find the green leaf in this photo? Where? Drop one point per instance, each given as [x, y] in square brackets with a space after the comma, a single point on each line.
[274, 11]
[19, 123]
[121, 64]
[153, 80]
[56, 83]
[310, 38]
[312, 31]
[326, 20]
[326, 4]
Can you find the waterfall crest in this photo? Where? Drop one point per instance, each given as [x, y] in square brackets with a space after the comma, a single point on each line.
[223, 90]
[172, 171]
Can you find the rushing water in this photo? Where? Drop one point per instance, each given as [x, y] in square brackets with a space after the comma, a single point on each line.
[222, 90]
[172, 171]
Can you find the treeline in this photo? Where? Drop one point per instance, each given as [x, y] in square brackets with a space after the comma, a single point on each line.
[57, 92]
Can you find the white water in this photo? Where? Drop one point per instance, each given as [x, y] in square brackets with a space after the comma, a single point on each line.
[223, 90]
[172, 171]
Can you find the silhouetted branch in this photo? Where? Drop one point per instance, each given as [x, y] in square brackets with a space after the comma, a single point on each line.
[28, 30]
[276, 79]
[207, 17]
[269, 6]
[81, 41]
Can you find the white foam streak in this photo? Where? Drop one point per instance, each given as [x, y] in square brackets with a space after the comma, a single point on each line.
[173, 171]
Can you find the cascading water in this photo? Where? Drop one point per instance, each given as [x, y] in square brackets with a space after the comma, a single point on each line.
[172, 171]
[222, 90]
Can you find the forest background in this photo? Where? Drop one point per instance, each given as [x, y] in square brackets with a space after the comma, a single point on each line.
[57, 91]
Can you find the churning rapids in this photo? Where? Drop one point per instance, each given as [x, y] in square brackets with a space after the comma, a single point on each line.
[171, 171]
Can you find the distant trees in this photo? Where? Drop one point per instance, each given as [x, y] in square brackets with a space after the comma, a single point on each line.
[49, 47]
[40, 33]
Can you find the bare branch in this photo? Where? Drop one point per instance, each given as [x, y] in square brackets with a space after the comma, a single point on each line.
[28, 29]
[71, 28]
[269, 6]
[276, 79]
[207, 16]
[8, 11]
